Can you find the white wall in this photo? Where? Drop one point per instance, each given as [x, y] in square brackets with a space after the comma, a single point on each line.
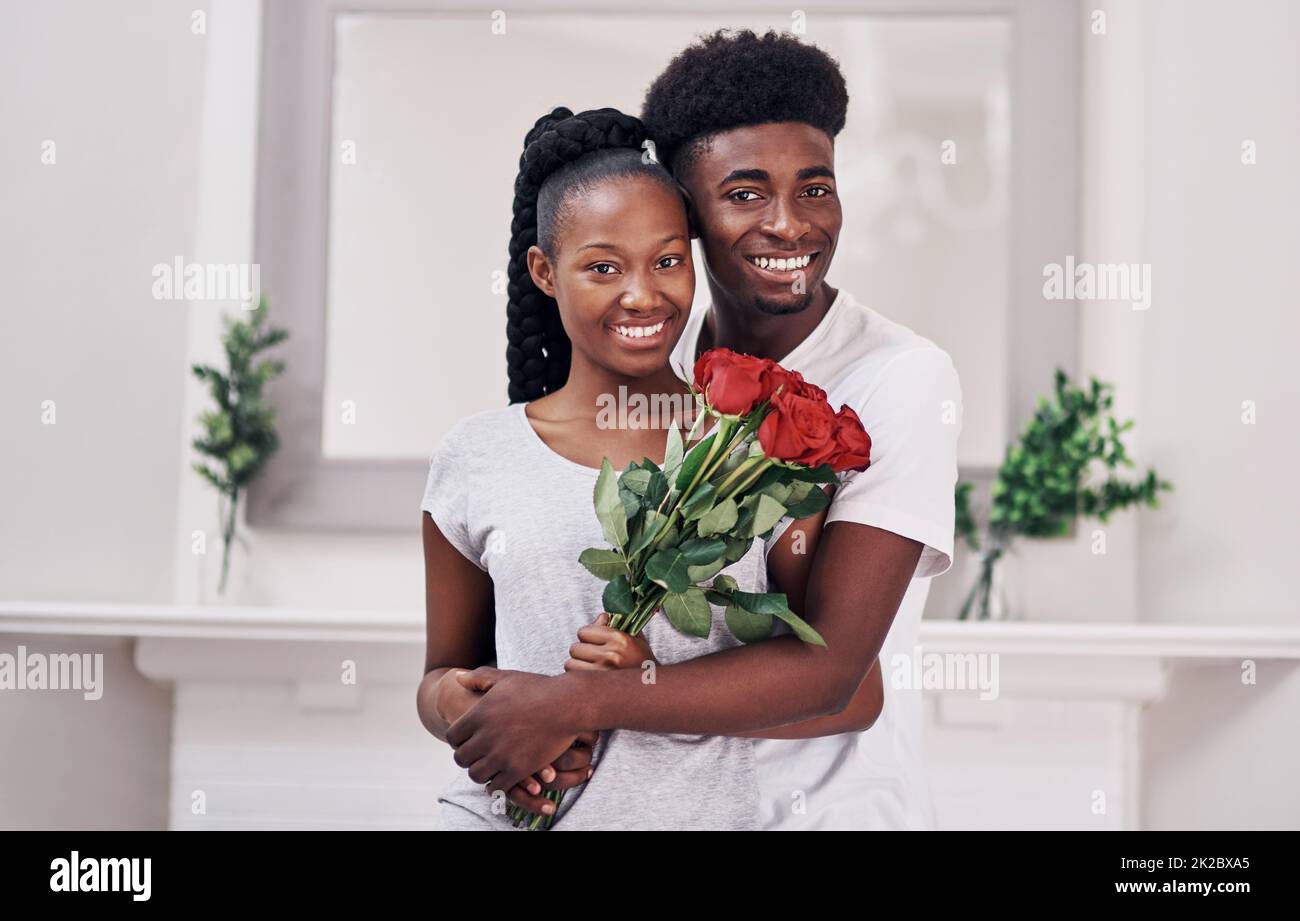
[1221, 238]
[90, 502]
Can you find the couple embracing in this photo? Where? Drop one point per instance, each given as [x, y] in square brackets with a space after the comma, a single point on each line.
[524, 677]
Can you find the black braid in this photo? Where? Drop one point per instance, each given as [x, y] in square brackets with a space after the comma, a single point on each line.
[560, 153]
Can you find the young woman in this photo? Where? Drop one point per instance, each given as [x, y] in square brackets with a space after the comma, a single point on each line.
[601, 283]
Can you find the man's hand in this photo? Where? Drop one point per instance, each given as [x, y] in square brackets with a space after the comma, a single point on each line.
[524, 723]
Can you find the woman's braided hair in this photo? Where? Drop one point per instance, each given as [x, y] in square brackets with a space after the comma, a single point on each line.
[563, 153]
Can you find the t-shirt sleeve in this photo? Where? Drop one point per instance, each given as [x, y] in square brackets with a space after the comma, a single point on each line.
[447, 493]
[912, 411]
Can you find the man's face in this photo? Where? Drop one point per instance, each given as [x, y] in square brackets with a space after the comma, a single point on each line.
[767, 212]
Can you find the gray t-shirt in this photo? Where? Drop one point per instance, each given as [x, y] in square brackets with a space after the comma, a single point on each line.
[524, 513]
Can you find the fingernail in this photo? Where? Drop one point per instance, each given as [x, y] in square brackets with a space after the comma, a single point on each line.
[590, 771]
[549, 809]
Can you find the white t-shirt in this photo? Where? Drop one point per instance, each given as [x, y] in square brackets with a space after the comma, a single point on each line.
[906, 391]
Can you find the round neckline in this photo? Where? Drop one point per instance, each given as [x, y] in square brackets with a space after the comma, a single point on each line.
[537, 440]
[818, 332]
[521, 413]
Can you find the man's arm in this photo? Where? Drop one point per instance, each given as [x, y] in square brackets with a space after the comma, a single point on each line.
[859, 576]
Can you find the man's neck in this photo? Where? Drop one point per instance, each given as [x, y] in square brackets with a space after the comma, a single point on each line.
[738, 325]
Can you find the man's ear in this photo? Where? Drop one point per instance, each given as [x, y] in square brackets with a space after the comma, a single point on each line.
[540, 268]
[692, 221]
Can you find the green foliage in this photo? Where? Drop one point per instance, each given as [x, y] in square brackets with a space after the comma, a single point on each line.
[669, 534]
[1065, 465]
[239, 435]
[1047, 477]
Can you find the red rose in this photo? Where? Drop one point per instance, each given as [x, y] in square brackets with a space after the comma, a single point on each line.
[799, 430]
[852, 442]
[732, 383]
[783, 380]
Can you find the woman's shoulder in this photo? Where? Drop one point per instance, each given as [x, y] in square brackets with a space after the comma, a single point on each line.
[484, 434]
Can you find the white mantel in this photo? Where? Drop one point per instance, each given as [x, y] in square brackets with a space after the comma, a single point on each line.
[266, 727]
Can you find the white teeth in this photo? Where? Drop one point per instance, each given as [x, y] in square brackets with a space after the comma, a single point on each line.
[639, 332]
[782, 265]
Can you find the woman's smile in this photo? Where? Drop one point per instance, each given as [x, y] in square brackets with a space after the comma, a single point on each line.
[642, 333]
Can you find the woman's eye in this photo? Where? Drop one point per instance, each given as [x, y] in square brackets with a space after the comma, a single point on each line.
[600, 267]
[671, 262]
[735, 196]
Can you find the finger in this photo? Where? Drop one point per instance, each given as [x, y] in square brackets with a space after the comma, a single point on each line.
[603, 619]
[504, 780]
[589, 652]
[462, 733]
[530, 801]
[480, 771]
[594, 633]
[574, 759]
[567, 779]
[480, 679]
[577, 665]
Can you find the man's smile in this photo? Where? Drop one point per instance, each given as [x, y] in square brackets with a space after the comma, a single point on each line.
[782, 267]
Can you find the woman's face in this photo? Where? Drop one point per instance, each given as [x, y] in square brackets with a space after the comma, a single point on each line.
[622, 274]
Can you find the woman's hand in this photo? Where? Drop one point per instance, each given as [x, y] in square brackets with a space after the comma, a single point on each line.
[451, 698]
[600, 646]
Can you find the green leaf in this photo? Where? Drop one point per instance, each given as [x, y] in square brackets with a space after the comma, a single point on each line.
[603, 564]
[822, 474]
[720, 592]
[631, 502]
[736, 548]
[705, 571]
[617, 597]
[726, 584]
[721, 518]
[609, 506]
[744, 528]
[694, 460]
[636, 480]
[700, 502]
[747, 627]
[767, 513]
[668, 569]
[811, 504]
[673, 451]
[761, 603]
[781, 492]
[801, 628]
[689, 612]
[646, 533]
[657, 489]
[698, 552]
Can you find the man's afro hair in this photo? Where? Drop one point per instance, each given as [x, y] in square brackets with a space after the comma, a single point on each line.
[735, 78]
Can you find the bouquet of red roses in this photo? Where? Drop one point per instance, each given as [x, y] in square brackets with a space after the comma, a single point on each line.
[675, 527]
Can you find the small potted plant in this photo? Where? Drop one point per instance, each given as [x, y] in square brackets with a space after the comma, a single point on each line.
[1048, 479]
[239, 435]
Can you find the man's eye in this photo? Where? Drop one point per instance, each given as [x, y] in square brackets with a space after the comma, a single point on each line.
[821, 190]
[671, 260]
[735, 196]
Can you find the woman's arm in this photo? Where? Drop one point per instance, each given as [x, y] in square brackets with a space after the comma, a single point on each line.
[458, 629]
[459, 636]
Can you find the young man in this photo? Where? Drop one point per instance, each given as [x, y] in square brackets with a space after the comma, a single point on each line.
[747, 125]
